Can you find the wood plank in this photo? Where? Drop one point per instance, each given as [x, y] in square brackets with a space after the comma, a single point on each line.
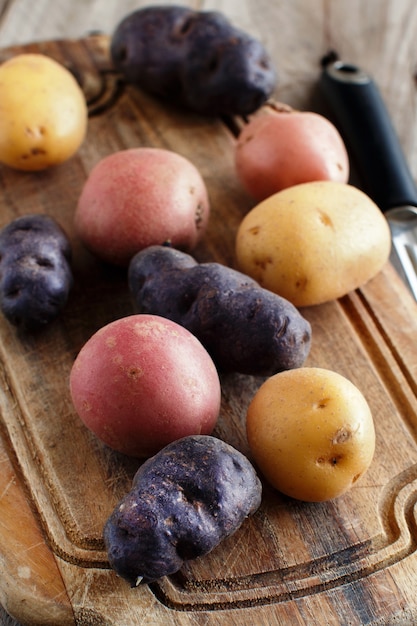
[27, 566]
[349, 561]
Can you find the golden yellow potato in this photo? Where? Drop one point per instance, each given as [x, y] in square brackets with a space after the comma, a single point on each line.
[311, 433]
[313, 242]
[43, 113]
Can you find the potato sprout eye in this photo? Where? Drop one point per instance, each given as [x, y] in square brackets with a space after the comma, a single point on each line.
[12, 293]
[121, 54]
[44, 262]
[213, 63]
[186, 26]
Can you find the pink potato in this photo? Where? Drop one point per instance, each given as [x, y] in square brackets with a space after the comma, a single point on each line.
[139, 197]
[142, 382]
[282, 148]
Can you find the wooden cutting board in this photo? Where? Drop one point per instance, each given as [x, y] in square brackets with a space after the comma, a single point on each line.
[350, 561]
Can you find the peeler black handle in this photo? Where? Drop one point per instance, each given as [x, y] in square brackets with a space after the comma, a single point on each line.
[363, 121]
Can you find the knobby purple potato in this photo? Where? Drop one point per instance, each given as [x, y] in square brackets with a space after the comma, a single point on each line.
[35, 272]
[184, 501]
[244, 327]
[194, 58]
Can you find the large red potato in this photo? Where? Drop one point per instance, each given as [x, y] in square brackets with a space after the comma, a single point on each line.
[138, 197]
[281, 148]
[143, 381]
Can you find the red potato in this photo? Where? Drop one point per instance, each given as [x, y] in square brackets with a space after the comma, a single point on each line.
[142, 382]
[282, 148]
[138, 197]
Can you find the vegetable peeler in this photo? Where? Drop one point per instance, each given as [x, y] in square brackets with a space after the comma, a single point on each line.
[363, 120]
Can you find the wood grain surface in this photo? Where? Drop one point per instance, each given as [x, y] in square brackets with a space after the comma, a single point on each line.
[351, 561]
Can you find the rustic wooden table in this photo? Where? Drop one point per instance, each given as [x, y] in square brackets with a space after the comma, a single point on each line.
[379, 35]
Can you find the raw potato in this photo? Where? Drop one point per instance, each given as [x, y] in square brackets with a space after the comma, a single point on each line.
[143, 381]
[43, 114]
[35, 271]
[184, 501]
[280, 148]
[244, 328]
[313, 242]
[196, 59]
[311, 433]
[139, 197]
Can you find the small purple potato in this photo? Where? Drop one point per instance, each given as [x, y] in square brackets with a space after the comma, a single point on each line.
[184, 501]
[197, 59]
[35, 272]
[244, 327]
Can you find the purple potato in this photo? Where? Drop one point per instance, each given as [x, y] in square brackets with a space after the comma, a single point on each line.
[184, 501]
[227, 70]
[244, 327]
[196, 59]
[35, 272]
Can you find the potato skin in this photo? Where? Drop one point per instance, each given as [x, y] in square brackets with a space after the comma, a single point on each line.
[35, 271]
[245, 328]
[143, 381]
[43, 115]
[313, 242]
[196, 59]
[184, 501]
[277, 149]
[138, 197]
[311, 433]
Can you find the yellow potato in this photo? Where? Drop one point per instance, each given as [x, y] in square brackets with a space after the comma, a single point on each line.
[313, 242]
[43, 113]
[311, 432]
